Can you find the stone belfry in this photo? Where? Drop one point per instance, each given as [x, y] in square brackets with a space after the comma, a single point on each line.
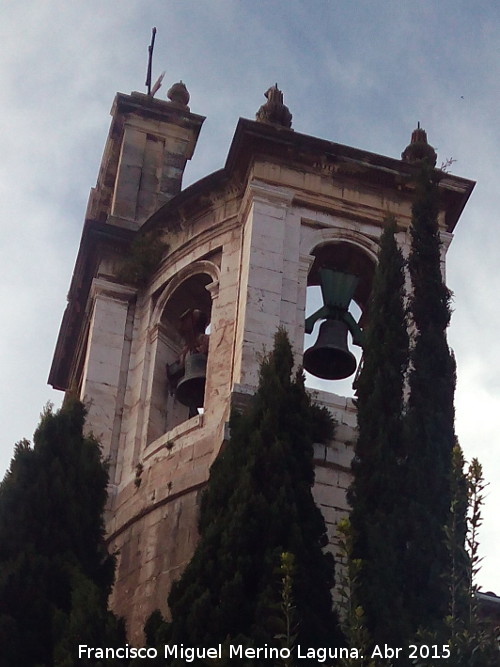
[176, 293]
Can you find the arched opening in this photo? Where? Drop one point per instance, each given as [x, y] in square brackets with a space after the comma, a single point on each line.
[175, 377]
[341, 259]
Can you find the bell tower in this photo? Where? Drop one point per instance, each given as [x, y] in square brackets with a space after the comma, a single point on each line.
[177, 293]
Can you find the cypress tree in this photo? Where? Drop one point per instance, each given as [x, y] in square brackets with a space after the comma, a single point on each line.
[472, 640]
[258, 505]
[55, 573]
[430, 418]
[461, 593]
[377, 492]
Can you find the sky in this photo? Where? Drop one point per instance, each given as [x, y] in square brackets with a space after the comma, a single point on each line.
[357, 72]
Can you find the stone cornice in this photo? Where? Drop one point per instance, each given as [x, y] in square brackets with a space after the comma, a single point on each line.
[147, 106]
[95, 237]
[254, 141]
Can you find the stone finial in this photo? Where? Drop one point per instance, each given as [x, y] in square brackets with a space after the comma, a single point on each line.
[274, 111]
[178, 94]
[418, 148]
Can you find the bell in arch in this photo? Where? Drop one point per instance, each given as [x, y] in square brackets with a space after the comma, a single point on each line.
[189, 373]
[191, 388]
[330, 358]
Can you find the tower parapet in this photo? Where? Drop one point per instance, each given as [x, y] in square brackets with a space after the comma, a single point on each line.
[148, 145]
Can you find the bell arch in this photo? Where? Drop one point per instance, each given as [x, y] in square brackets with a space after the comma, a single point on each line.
[345, 250]
[339, 282]
[195, 268]
[190, 290]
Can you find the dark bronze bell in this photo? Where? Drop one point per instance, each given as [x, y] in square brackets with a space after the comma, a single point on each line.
[329, 358]
[191, 388]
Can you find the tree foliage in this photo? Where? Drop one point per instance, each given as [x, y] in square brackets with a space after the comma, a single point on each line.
[460, 581]
[409, 494]
[144, 256]
[258, 504]
[470, 637]
[430, 417]
[55, 573]
[377, 493]
[352, 615]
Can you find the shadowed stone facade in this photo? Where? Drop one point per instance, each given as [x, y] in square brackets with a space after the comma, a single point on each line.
[242, 244]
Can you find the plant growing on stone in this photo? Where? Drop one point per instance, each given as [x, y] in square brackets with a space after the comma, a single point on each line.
[144, 256]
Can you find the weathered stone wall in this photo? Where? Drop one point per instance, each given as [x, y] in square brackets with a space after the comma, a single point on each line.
[254, 241]
[264, 254]
[148, 145]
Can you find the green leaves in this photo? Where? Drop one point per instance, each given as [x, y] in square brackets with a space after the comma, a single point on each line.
[430, 415]
[258, 506]
[55, 573]
[377, 534]
[145, 255]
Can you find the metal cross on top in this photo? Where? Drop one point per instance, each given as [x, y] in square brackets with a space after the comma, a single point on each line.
[157, 85]
[150, 60]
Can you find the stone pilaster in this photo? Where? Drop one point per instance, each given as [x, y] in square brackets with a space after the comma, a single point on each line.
[106, 363]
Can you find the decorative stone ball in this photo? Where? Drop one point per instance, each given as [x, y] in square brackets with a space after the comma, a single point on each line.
[179, 94]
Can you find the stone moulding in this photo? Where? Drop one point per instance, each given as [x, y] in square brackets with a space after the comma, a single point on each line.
[172, 437]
